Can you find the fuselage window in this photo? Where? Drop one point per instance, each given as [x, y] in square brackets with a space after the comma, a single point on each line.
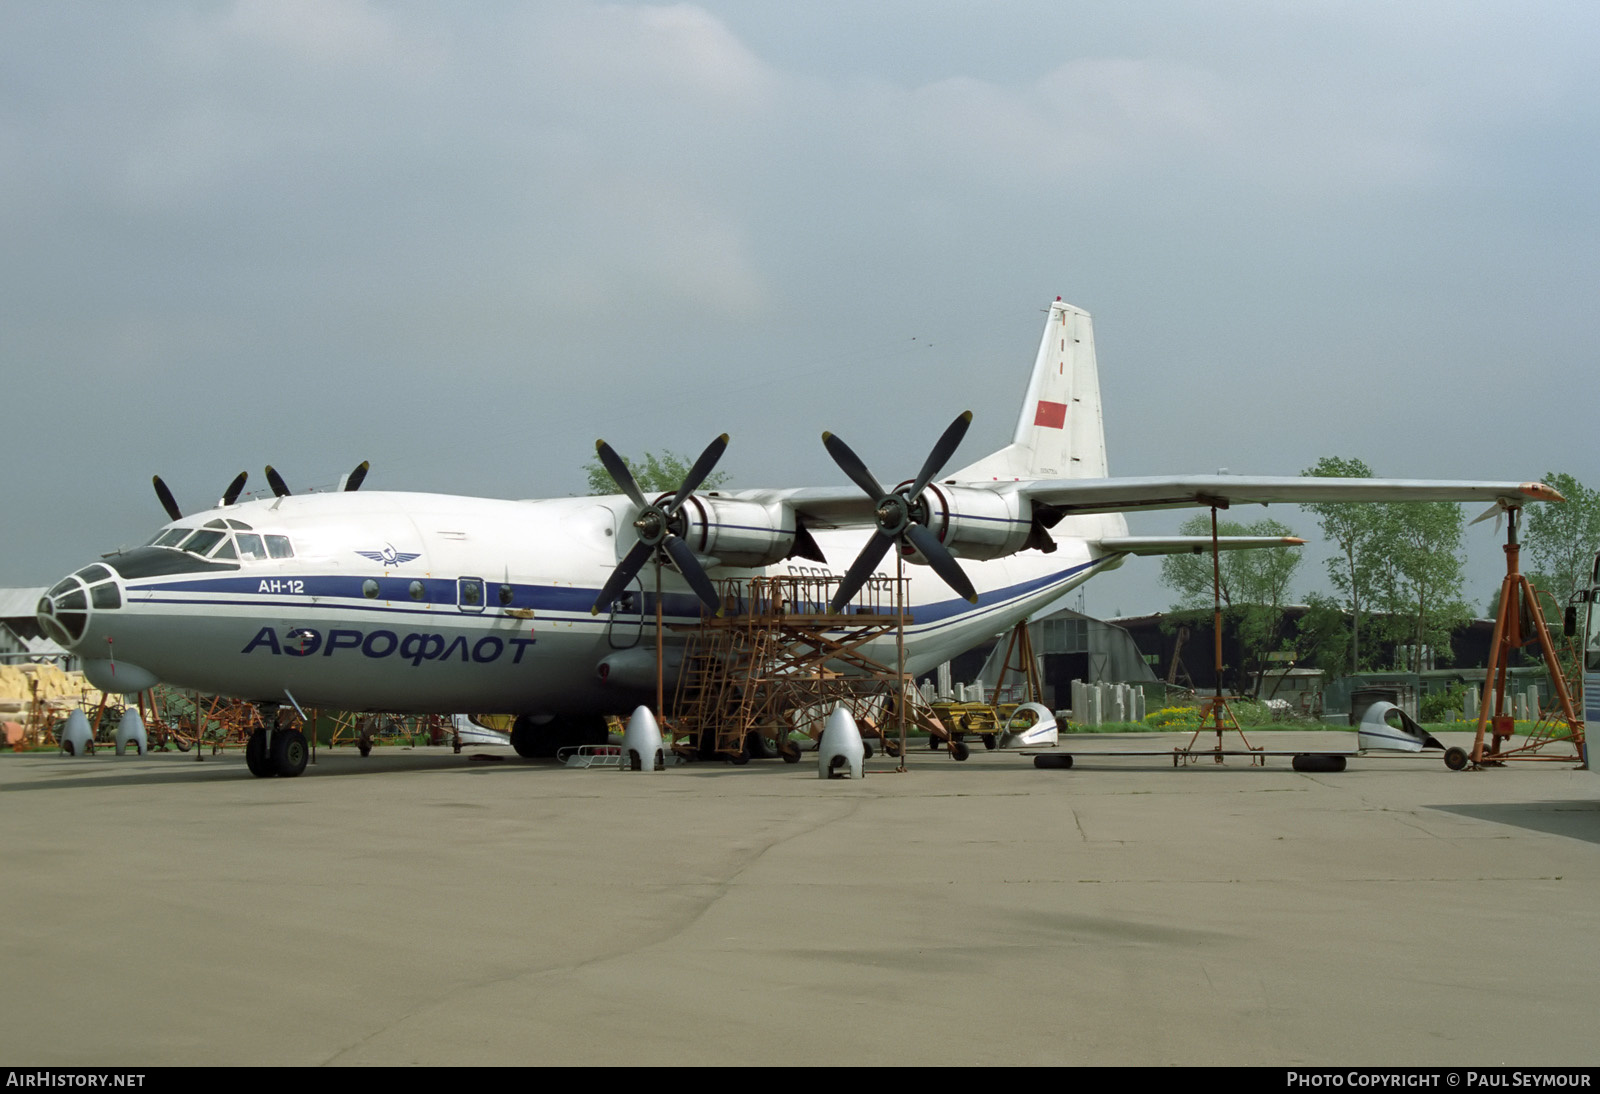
[202, 541]
[279, 547]
[416, 590]
[471, 592]
[507, 594]
[250, 546]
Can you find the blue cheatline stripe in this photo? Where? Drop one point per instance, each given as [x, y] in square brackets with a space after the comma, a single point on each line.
[565, 603]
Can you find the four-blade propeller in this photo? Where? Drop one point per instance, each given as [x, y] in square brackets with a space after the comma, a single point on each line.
[170, 504]
[236, 487]
[660, 527]
[901, 516]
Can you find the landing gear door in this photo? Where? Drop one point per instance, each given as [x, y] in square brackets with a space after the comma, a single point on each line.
[469, 594]
[627, 617]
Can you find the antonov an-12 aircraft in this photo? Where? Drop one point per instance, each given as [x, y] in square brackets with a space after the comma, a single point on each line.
[370, 601]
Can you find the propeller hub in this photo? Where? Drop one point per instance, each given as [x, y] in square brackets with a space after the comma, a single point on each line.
[651, 526]
[893, 513]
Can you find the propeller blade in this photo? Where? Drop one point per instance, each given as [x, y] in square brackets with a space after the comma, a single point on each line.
[860, 570]
[235, 488]
[852, 466]
[275, 481]
[697, 474]
[625, 572]
[693, 573]
[1494, 510]
[168, 502]
[942, 451]
[618, 470]
[942, 561]
[358, 476]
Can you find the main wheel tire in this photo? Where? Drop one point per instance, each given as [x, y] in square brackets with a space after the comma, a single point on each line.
[255, 755]
[289, 752]
[525, 738]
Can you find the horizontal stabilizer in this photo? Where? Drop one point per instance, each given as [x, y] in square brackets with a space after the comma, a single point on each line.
[1196, 545]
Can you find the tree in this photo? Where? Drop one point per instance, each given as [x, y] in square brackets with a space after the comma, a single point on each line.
[1561, 539]
[1248, 577]
[1420, 572]
[657, 473]
[1352, 527]
[1254, 583]
[1402, 558]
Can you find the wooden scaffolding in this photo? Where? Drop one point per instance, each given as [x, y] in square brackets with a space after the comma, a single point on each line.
[777, 661]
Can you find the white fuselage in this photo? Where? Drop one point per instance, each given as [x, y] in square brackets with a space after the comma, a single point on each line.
[438, 603]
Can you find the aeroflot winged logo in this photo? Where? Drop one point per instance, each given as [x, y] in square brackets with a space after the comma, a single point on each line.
[389, 556]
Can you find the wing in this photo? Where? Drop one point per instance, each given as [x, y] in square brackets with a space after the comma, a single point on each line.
[1190, 545]
[1124, 495]
[846, 506]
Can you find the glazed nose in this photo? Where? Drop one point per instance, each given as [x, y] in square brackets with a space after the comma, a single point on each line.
[63, 612]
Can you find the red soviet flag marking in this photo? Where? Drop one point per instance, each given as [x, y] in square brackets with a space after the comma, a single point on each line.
[1051, 415]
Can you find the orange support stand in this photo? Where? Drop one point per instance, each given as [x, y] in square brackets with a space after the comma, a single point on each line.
[1520, 621]
[1215, 706]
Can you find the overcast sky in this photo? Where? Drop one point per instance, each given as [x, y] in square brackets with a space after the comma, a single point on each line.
[463, 241]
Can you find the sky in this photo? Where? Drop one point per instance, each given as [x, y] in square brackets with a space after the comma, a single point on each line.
[464, 241]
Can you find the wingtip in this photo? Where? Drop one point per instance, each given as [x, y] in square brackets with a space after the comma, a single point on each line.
[1540, 492]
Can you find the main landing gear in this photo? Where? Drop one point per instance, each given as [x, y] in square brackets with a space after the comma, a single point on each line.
[275, 751]
[540, 739]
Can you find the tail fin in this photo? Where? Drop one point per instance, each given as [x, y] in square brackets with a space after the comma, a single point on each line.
[1060, 432]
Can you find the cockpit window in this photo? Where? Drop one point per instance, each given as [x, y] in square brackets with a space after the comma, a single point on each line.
[238, 524]
[106, 596]
[171, 537]
[225, 551]
[218, 523]
[202, 541]
[279, 547]
[91, 574]
[250, 546]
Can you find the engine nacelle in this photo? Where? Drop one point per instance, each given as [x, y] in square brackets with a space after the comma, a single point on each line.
[978, 524]
[745, 534]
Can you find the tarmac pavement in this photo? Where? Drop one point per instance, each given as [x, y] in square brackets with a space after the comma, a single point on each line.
[428, 908]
